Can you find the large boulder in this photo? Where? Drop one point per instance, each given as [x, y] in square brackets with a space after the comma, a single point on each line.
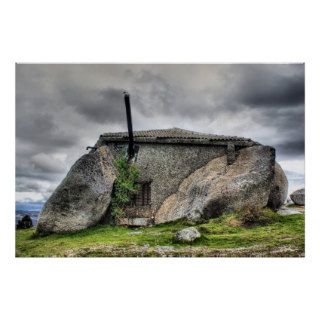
[298, 197]
[279, 188]
[82, 198]
[218, 187]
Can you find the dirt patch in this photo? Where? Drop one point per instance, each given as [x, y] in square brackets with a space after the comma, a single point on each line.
[169, 251]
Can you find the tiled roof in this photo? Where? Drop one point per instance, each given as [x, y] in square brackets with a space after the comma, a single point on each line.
[175, 135]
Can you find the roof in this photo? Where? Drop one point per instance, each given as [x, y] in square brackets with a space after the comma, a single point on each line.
[176, 136]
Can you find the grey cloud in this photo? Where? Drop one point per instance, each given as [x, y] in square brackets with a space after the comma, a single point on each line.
[29, 204]
[28, 187]
[154, 96]
[40, 129]
[43, 176]
[96, 105]
[38, 120]
[48, 163]
[64, 108]
[291, 148]
[288, 126]
[270, 86]
[281, 92]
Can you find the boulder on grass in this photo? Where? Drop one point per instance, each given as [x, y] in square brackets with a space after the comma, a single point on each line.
[187, 235]
[279, 188]
[298, 197]
[218, 187]
[82, 198]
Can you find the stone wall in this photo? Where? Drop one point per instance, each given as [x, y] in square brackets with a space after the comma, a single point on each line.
[166, 166]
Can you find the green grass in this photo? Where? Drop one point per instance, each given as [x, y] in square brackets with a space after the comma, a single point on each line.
[220, 237]
[293, 205]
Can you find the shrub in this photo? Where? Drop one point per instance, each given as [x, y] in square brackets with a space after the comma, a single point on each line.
[125, 186]
[232, 220]
[203, 229]
[255, 216]
[25, 222]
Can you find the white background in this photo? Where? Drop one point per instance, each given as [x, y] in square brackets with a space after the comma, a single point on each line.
[163, 31]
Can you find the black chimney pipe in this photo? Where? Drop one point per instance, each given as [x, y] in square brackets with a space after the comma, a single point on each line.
[129, 122]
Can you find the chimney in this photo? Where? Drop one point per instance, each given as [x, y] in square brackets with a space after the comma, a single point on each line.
[129, 122]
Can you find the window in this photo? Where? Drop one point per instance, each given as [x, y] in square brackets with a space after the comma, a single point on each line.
[143, 197]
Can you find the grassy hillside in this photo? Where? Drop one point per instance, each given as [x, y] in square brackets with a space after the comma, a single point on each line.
[224, 236]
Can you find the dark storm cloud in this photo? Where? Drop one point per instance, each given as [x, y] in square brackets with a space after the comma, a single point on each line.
[37, 112]
[279, 92]
[291, 148]
[60, 109]
[40, 129]
[264, 86]
[96, 105]
[288, 129]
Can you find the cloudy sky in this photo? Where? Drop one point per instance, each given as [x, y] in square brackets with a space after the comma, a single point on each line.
[62, 109]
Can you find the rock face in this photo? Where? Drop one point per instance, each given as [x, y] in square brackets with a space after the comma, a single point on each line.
[187, 235]
[217, 187]
[82, 198]
[279, 188]
[298, 197]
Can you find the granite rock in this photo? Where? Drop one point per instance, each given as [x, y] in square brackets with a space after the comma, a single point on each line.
[187, 235]
[82, 198]
[218, 188]
[298, 197]
[279, 188]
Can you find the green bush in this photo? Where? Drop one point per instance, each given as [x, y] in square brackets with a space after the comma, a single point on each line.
[125, 186]
[254, 216]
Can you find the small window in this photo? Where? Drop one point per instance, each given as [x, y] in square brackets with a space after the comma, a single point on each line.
[143, 197]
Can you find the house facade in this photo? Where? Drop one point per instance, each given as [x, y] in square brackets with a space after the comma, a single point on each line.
[164, 159]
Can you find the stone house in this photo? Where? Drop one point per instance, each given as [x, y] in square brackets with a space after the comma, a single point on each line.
[164, 159]
[182, 174]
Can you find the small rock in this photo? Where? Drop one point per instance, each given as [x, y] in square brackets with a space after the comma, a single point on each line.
[164, 248]
[289, 201]
[188, 235]
[298, 197]
[285, 211]
[135, 233]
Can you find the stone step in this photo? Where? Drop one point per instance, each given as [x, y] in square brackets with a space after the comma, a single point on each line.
[135, 222]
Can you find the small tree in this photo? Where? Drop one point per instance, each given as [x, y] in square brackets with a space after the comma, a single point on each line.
[125, 186]
[25, 222]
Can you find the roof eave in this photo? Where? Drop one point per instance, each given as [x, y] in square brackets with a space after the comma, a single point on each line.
[184, 141]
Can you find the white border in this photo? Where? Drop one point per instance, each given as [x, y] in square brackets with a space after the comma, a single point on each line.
[166, 31]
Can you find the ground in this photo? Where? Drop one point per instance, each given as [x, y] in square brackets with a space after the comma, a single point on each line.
[221, 237]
